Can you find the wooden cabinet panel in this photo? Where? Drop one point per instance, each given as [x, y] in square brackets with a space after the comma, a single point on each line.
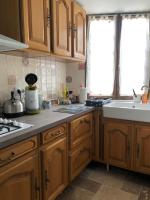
[118, 143]
[17, 150]
[54, 169]
[54, 133]
[79, 129]
[36, 24]
[142, 149]
[19, 180]
[61, 12]
[80, 157]
[79, 31]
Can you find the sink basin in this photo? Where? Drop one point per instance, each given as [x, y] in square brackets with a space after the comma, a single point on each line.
[127, 110]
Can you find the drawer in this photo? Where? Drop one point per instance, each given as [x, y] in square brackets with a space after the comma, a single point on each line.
[80, 157]
[14, 151]
[53, 133]
[80, 128]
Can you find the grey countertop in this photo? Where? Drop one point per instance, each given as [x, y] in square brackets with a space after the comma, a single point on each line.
[44, 120]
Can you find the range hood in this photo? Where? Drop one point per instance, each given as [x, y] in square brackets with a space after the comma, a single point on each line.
[8, 44]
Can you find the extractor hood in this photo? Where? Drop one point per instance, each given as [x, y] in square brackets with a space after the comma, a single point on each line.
[8, 44]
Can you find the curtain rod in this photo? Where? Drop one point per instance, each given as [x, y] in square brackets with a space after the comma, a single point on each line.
[120, 13]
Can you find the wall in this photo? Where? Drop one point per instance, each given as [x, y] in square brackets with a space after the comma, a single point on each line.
[51, 75]
[77, 73]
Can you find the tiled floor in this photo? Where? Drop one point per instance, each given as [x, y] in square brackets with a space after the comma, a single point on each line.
[95, 183]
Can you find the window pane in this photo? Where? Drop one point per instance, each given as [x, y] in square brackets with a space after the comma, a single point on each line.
[100, 79]
[133, 58]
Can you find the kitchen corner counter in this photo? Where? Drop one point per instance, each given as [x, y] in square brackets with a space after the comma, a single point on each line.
[46, 119]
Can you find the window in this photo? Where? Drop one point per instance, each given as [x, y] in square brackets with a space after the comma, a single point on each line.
[118, 55]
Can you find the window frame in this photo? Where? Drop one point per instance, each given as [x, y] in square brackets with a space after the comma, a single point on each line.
[118, 25]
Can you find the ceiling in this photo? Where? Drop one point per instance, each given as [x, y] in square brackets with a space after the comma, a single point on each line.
[113, 6]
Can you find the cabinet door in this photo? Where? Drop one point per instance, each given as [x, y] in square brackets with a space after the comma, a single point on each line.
[54, 160]
[79, 31]
[80, 157]
[142, 151]
[118, 138]
[19, 180]
[36, 24]
[61, 12]
[80, 128]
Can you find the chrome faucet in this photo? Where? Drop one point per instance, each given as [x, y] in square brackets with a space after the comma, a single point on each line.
[145, 86]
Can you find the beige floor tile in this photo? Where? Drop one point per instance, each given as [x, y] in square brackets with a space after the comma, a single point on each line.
[107, 178]
[111, 193]
[75, 193]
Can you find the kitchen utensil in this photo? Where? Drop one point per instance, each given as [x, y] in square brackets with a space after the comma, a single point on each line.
[31, 95]
[13, 107]
[134, 93]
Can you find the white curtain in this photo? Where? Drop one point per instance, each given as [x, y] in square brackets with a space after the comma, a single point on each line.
[134, 54]
[100, 55]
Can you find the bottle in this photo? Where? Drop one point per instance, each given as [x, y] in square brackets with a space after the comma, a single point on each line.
[83, 94]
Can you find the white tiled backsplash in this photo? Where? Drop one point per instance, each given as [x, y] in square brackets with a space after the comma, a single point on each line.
[51, 75]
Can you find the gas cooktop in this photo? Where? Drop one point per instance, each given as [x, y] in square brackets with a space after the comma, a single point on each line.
[8, 127]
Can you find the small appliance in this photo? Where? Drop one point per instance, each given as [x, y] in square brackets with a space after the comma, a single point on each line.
[13, 107]
[31, 95]
[8, 127]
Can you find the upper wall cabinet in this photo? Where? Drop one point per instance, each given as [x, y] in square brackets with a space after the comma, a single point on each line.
[61, 26]
[27, 21]
[79, 31]
[36, 24]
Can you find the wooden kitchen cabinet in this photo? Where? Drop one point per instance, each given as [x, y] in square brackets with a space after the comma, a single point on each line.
[27, 21]
[80, 157]
[80, 148]
[142, 149]
[118, 143]
[54, 168]
[79, 31]
[36, 24]
[19, 179]
[80, 128]
[62, 27]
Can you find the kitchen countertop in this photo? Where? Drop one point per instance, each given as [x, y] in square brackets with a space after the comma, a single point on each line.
[44, 120]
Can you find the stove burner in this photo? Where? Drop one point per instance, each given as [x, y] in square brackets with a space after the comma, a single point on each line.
[8, 127]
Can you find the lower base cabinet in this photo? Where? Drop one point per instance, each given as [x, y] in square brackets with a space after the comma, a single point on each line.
[127, 145]
[142, 149]
[80, 157]
[54, 169]
[19, 179]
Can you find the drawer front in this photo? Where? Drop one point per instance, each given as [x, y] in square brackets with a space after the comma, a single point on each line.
[53, 133]
[80, 128]
[14, 151]
[80, 157]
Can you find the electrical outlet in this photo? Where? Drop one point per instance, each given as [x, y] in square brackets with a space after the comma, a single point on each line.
[12, 80]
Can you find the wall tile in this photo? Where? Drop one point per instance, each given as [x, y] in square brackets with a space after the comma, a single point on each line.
[51, 75]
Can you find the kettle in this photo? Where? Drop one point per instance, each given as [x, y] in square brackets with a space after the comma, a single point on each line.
[13, 107]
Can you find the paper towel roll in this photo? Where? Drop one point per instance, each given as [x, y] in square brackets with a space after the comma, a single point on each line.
[83, 95]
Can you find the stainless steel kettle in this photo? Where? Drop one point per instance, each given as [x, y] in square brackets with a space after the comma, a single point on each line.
[13, 107]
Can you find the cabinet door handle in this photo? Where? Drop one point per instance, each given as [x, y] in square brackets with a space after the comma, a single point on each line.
[138, 151]
[75, 30]
[128, 149]
[46, 179]
[48, 18]
[69, 28]
[37, 189]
